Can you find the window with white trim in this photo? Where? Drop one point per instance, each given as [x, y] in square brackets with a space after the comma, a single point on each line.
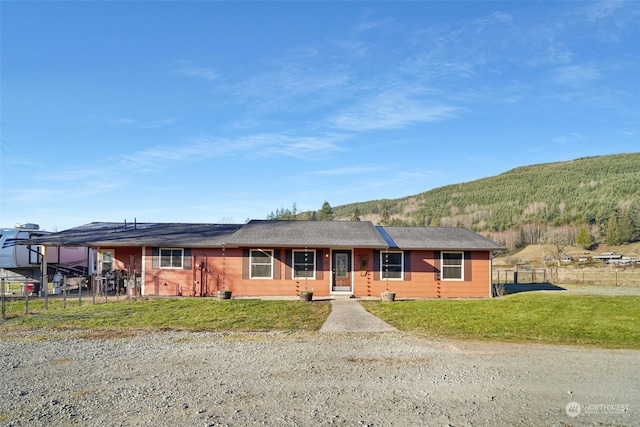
[452, 265]
[261, 264]
[171, 257]
[107, 261]
[304, 264]
[391, 265]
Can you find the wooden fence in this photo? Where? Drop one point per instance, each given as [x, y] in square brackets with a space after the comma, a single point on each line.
[600, 276]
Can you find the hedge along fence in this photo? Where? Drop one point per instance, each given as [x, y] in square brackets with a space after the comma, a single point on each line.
[602, 276]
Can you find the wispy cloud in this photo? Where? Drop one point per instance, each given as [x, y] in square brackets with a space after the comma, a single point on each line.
[119, 121]
[188, 69]
[627, 132]
[602, 9]
[154, 124]
[251, 146]
[572, 138]
[576, 75]
[74, 189]
[392, 110]
[294, 86]
[351, 170]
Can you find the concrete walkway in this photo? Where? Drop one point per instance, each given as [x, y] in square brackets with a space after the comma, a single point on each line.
[347, 315]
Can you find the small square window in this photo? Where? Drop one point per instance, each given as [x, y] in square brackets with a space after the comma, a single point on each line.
[171, 258]
[304, 264]
[452, 266]
[261, 264]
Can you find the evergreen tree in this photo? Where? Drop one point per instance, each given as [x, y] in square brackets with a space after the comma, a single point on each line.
[326, 212]
[613, 230]
[583, 239]
[356, 214]
[384, 217]
[626, 227]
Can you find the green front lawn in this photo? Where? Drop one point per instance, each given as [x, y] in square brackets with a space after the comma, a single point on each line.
[550, 318]
[189, 314]
[603, 321]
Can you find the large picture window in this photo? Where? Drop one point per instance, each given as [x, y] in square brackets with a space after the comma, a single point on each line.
[391, 265]
[452, 265]
[171, 258]
[261, 264]
[304, 264]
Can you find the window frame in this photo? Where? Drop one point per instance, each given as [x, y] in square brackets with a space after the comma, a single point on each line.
[269, 253]
[172, 266]
[383, 273]
[444, 266]
[310, 266]
[110, 262]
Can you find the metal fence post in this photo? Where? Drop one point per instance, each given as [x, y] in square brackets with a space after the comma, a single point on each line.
[64, 292]
[25, 288]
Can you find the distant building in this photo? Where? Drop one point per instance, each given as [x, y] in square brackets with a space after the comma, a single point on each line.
[607, 256]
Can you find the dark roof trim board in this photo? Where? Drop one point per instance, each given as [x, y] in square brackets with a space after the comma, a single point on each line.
[269, 233]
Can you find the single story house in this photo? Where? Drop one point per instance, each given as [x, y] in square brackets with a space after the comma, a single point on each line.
[280, 258]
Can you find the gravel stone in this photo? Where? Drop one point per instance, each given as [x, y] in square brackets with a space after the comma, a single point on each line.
[301, 379]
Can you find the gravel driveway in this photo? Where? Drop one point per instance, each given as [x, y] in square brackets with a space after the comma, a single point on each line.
[392, 378]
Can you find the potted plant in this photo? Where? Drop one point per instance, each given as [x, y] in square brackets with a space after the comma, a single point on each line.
[388, 296]
[224, 294]
[306, 295]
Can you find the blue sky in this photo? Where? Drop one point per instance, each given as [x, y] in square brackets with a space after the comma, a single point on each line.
[222, 111]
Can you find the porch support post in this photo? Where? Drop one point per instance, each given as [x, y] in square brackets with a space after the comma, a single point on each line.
[44, 280]
[143, 269]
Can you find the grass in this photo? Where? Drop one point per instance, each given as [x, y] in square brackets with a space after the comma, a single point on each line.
[187, 314]
[549, 318]
[588, 320]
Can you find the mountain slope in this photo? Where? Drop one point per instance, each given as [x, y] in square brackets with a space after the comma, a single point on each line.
[579, 192]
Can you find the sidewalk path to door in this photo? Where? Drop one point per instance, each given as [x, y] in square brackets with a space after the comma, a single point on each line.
[347, 315]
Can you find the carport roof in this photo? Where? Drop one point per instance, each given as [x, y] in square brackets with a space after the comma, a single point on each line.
[112, 234]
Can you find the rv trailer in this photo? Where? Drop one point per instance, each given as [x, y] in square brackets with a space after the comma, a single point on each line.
[24, 261]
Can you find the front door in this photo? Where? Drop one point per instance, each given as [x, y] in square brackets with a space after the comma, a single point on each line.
[341, 271]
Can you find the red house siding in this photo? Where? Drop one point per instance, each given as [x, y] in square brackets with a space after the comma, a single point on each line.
[212, 269]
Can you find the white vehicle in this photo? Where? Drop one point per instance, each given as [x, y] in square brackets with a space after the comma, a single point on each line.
[25, 260]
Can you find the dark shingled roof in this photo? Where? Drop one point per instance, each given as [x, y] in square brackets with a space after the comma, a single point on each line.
[258, 233]
[141, 234]
[359, 234]
[439, 238]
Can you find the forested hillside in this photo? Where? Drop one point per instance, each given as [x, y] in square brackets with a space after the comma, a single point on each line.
[523, 205]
